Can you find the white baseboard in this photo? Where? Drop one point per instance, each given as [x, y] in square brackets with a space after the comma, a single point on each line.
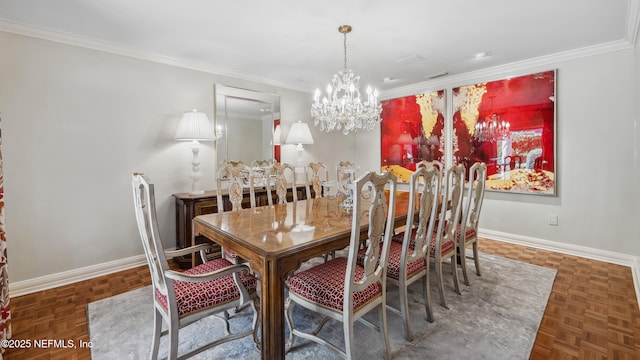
[25, 287]
[582, 251]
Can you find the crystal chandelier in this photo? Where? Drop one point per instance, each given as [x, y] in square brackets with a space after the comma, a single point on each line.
[491, 129]
[342, 108]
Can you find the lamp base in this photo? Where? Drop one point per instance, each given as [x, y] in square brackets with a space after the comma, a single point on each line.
[196, 192]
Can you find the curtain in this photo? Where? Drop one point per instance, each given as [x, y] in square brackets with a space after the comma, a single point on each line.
[5, 314]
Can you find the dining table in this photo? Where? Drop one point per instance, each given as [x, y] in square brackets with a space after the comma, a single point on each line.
[275, 240]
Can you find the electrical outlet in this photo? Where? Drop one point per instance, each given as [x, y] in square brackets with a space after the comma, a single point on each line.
[553, 219]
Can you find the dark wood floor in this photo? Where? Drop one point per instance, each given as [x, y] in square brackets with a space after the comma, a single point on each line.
[592, 312]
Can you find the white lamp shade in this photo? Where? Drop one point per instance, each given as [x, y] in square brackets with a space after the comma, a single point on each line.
[299, 134]
[277, 135]
[194, 126]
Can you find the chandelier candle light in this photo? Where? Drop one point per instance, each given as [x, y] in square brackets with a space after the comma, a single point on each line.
[195, 127]
[342, 108]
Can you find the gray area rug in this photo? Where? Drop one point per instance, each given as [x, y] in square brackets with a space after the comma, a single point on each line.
[497, 317]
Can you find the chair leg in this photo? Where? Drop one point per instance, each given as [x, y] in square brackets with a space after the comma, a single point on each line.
[173, 340]
[384, 328]
[349, 343]
[463, 264]
[157, 330]
[454, 270]
[288, 315]
[443, 301]
[476, 258]
[404, 309]
[257, 316]
[426, 289]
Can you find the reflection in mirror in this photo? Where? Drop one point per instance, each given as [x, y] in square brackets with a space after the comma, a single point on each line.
[246, 121]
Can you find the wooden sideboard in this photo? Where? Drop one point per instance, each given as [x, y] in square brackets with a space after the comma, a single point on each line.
[189, 206]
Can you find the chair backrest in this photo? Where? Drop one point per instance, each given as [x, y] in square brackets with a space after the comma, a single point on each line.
[283, 173]
[475, 194]
[424, 195]
[451, 208]
[145, 208]
[316, 174]
[380, 211]
[429, 164]
[232, 177]
[345, 173]
[260, 178]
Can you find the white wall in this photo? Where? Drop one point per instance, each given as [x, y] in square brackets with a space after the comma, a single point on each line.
[77, 122]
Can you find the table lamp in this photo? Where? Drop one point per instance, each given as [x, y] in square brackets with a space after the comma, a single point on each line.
[195, 127]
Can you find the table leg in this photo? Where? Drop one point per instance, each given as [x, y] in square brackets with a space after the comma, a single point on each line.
[272, 307]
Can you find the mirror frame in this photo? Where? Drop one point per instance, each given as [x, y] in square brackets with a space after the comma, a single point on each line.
[220, 95]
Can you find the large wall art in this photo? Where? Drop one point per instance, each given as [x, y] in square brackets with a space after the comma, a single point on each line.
[412, 130]
[510, 125]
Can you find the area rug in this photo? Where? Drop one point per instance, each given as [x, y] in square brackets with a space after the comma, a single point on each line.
[497, 317]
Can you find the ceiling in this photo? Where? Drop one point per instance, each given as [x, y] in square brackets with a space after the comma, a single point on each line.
[296, 44]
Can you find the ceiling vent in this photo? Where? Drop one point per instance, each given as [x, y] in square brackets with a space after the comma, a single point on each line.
[435, 76]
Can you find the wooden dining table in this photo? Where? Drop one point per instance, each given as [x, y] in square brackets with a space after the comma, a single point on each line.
[276, 240]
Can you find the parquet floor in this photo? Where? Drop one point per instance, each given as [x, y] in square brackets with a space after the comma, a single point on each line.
[592, 312]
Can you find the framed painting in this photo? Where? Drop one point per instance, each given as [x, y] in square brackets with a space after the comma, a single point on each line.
[510, 125]
[412, 130]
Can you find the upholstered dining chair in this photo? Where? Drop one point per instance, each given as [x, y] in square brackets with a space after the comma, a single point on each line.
[409, 252]
[316, 173]
[181, 298]
[345, 172]
[259, 178]
[341, 289]
[283, 174]
[468, 232]
[232, 178]
[443, 244]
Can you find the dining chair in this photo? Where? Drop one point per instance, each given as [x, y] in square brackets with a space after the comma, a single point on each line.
[232, 178]
[181, 298]
[259, 178]
[443, 244]
[317, 173]
[409, 258]
[283, 174]
[468, 229]
[340, 288]
[345, 172]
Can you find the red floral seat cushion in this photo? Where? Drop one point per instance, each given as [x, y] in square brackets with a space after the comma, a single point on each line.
[393, 264]
[445, 246]
[324, 284]
[195, 296]
[469, 233]
[399, 237]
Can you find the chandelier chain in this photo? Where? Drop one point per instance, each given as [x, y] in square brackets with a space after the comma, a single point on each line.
[345, 50]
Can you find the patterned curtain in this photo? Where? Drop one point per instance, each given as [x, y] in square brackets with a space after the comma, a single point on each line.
[5, 314]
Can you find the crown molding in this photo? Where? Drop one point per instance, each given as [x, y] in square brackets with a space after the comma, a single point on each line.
[502, 71]
[117, 49]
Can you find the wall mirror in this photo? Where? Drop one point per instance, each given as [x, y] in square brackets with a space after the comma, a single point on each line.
[245, 119]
